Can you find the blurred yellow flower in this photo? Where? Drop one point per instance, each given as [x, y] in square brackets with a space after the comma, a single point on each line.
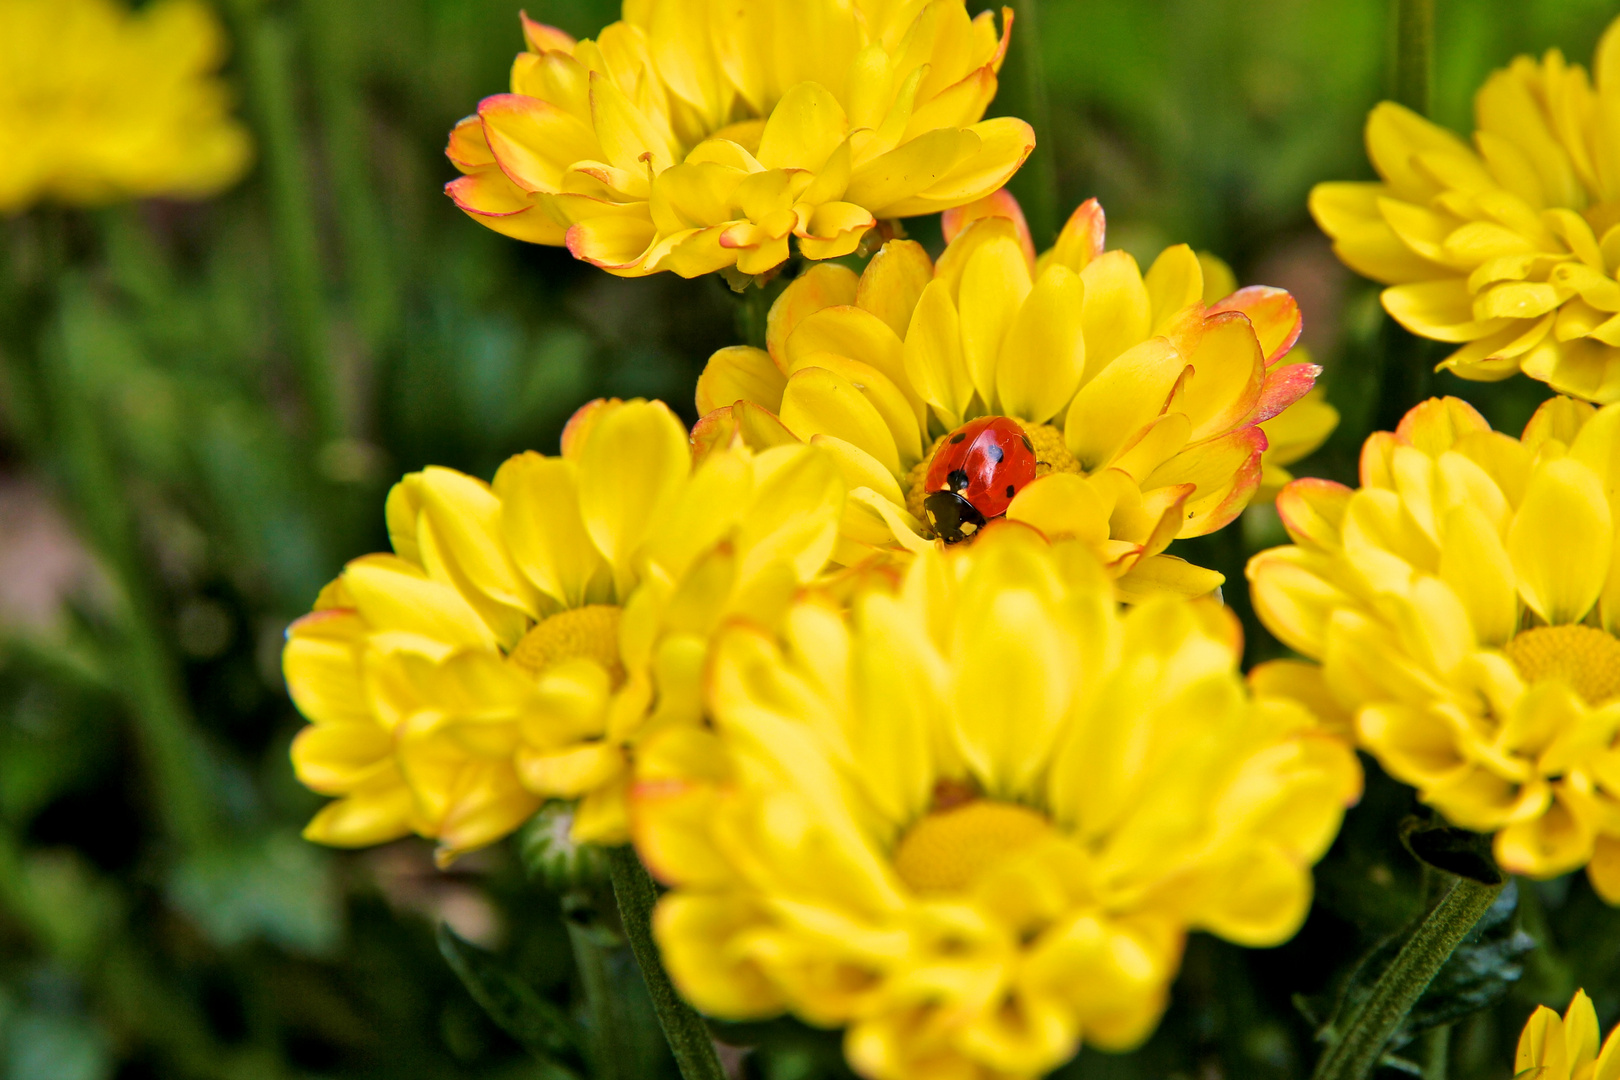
[1464, 602]
[524, 633]
[99, 104]
[1566, 1048]
[973, 821]
[693, 136]
[1508, 247]
[1141, 403]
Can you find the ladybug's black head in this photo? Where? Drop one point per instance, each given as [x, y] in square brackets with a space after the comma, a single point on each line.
[952, 517]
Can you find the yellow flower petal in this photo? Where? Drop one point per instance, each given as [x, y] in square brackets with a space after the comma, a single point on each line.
[542, 527]
[821, 402]
[1118, 313]
[995, 282]
[634, 462]
[740, 373]
[893, 281]
[1560, 542]
[1122, 399]
[1043, 356]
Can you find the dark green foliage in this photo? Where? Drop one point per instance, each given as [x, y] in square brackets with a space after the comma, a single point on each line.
[542, 1028]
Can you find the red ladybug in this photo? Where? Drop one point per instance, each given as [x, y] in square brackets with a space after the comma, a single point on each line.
[974, 475]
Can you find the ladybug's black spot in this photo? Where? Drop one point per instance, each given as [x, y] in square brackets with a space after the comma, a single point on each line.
[952, 517]
[958, 437]
[1011, 491]
[993, 452]
[1027, 444]
[956, 480]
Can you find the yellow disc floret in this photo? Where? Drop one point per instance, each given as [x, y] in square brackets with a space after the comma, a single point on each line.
[1583, 656]
[590, 632]
[948, 850]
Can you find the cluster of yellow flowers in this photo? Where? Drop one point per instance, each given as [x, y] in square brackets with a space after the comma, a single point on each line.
[883, 666]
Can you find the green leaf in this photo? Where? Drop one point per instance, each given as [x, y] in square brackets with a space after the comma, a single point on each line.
[541, 1027]
[1456, 851]
[1476, 976]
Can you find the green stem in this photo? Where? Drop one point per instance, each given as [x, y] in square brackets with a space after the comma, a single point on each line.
[1024, 94]
[1370, 1028]
[607, 1023]
[1438, 1044]
[268, 63]
[1414, 54]
[753, 316]
[684, 1030]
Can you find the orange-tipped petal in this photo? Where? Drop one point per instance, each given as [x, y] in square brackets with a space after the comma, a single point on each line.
[613, 243]
[468, 149]
[534, 141]
[1274, 313]
[999, 203]
[1227, 472]
[1312, 510]
[542, 38]
[1082, 237]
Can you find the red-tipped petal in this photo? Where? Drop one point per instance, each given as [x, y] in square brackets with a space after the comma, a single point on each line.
[1274, 313]
[1284, 385]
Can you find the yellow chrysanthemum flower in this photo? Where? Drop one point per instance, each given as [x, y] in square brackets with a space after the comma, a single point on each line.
[973, 821]
[99, 104]
[1566, 1048]
[1140, 403]
[693, 136]
[524, 634]
[1464, 602]
[1508, 247]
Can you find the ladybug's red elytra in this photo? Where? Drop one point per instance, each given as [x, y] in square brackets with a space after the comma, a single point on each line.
[974, 475]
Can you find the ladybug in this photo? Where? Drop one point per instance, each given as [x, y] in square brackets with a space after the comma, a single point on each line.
[974, 475]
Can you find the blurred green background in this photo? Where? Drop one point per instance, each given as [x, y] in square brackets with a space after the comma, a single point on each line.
[202, 408]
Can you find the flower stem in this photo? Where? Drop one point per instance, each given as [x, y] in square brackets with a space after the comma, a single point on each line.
[684, 1030]
[1376, 1020]
[1024, 95]
[1414, 54]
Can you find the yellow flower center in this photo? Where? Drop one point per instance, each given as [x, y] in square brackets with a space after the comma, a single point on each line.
[948, 850]
[1050, 451]
[1583, 656]
[591, 632]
